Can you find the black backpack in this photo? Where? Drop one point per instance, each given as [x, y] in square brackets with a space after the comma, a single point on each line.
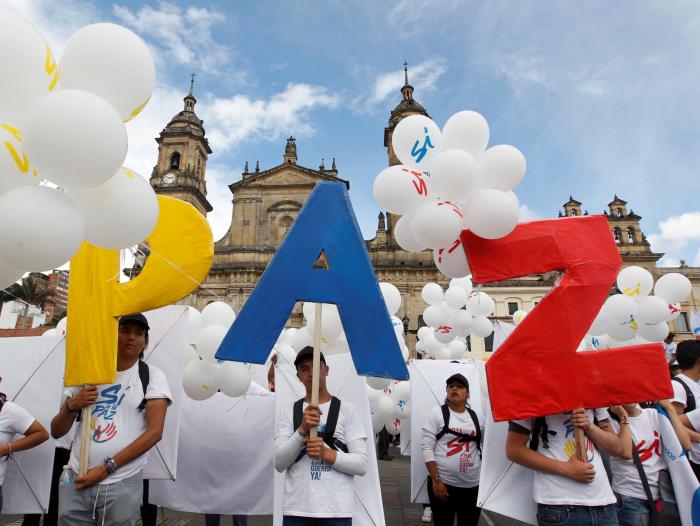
[3, 399]
[331, 422]
[145, 377]
[690, 397]
[462, 437]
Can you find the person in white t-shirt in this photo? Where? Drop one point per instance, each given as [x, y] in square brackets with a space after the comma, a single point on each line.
[686, 392]
[670, 348]
[452, 455]
[127, 421]
[15, 420]
[318, 484]
[566, 489]
[638, 427]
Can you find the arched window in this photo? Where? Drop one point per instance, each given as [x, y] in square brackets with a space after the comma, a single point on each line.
[573, 212]
[618, 212]
[630, 235]
[285, 222]
[175, 161]
[617, 235]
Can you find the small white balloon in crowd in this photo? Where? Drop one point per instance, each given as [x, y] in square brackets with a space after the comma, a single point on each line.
[218, 313]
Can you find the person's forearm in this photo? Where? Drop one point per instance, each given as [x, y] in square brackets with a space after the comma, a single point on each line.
[355, 461]
[528, 458]
[608, 442]
[625, 439]
[26, 442]
[682, 432]
[287, 449]
[138, 447]
[432, 470]
[62, 422]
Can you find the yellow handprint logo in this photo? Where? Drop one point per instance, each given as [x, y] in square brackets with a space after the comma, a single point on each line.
[51, 68]
[21, 161]
[637, 291]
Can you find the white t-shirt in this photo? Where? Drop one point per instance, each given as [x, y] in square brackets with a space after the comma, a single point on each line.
[14, 420]
[458, 463]
[557, 489]
[669, 349]
[680, 397]
[116, 420]
[313, 488]
[648, 444]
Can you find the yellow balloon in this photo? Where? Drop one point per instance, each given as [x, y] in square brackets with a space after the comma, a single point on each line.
[182, 249]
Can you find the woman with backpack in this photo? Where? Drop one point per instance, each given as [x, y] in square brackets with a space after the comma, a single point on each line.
[451, 445]
[638, 472]
[15, 420]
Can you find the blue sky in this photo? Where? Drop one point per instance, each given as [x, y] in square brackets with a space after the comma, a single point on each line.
[601, 97]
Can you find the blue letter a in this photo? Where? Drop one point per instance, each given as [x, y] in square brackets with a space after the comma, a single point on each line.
[327, 224]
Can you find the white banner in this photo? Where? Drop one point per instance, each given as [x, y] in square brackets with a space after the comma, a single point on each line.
[344, 383]
[695, 324]
[428, 389]
[32, 376]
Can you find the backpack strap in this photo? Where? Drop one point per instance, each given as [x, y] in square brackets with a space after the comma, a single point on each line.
[690, 397]
[446, 422]
[477, 427]
[643, 477]
[3, 399]
[298, 413]
[145, 377]
[331, 423]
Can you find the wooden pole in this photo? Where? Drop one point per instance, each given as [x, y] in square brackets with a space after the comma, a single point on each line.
[313, 433]
[86, 425]
[580, 438]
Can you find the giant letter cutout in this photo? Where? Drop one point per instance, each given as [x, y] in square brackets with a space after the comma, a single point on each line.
[181, 254]
[537, 371]
[325, 223]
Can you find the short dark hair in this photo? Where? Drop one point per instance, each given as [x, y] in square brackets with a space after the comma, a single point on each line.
[688, 353]
[670, 336]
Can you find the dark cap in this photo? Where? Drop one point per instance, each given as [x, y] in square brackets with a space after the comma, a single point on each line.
[307, 351]
[458, 378]
[135, 318]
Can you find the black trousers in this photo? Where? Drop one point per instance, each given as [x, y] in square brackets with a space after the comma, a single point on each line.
[60, 458]
[461, 502]
[149, 512]
[383, 444]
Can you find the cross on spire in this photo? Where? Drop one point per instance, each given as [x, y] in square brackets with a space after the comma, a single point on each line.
[192, 82]
[405, 72]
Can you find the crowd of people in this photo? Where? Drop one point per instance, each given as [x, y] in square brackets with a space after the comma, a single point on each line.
[616, 475]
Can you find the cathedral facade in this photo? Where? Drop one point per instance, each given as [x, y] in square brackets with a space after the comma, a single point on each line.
[266, 202]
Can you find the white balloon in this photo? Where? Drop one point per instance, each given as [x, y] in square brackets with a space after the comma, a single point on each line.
[600, 323]
[405, 353]
[233, 379]
[209, 340]
[50, 333]
[338, 346]
[596, 343]
[614, 344]
[502, 167]
[382, 409]
[401, 189]
[619, 309]
[674, 310]
[416, 140]
[331, 326]
[655, 332]
[518, 316]
[437, 224]
[8, 274]
[491, 213]
[445, 334]
[28, 68]
[61, 326]
[199, 380]
[112, 62]
[462, 320]
[392, 297]
[393, 425]
[457, 349]
[452, 260]
[423, 332]
[377, 383]
[465, 283]
[456, 297]
[309, 310]
[119, 213]
[15, 168]
[652, 310]
[48, 238]
[481, 304]
[75, 139]
[454, 174]
[373, 395]
[302, 339]
[673, 287]
[430, 344]
[403, 234]
[401, 391]
[432, 294]
[289, 335]
[286, 354]
[443, 353]
[482, 326]
[194, 324]
[466, 130]
[436, 315]
[635, 282]
[190, 354]
[218, 313]
[623, 331]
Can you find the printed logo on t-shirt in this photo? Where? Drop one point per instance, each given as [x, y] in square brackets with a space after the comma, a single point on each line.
[645, 453]
[459, 446]
[317, 468]
[570, 442]
[103, 427]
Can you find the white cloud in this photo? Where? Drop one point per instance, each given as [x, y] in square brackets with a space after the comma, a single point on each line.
[423, 77]
[525, 213]
[696, 261]
[182, 35]
[233, 120]
[674, 235]
[685, 227]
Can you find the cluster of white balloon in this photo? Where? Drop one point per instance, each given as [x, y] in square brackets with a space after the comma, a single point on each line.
[634, 316]
[204, 375]
[389, 403]
[449, 182]
[62, 125]
[451, 315]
